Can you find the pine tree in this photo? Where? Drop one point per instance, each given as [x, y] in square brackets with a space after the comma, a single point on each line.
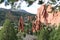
[8, 31]
[44, 33]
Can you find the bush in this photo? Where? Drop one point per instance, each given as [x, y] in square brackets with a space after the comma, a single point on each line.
[8, 31]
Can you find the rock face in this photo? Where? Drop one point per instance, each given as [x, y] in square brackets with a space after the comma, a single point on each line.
[46, 15]
[21, 24]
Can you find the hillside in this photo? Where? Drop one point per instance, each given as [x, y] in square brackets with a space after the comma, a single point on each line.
[12, 15]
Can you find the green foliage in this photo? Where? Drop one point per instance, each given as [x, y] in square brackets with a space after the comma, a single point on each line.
[8, 1]
[12, 15]
[43, 34]
[53, 0]
[52, 35]
[48, 33]
[28, 27]
[30, 1]
[12, 0]
[21, 35]
[1, 1]
[40, 35]
[8, 31]
[55, 34]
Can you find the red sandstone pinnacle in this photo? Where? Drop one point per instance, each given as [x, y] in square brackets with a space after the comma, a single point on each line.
[47, 16]
[33, 26]
[41, 17]
[30, 18]
[36, 25]
[42, 14]
[21, 24]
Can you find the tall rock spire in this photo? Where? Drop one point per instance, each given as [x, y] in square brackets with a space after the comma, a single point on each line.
[21, 24]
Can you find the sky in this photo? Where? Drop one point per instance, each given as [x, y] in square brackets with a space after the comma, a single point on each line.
[31, 9]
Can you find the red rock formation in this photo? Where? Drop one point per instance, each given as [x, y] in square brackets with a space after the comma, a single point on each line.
[42, 14]
[41, 17]
[36, 25]
[53, 17]
[29, 18]
[21, 24]
[46, 15]
[33, 26]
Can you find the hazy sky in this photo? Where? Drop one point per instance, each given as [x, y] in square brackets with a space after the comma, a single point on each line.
[32, 9]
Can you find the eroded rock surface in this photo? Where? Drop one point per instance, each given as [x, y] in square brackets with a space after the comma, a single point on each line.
[46, 15]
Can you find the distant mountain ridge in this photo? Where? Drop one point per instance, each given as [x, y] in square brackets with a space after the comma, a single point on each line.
[12, 15]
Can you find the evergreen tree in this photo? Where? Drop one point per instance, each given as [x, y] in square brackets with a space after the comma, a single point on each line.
[8, 31]
[55, 34]
[40, 34]
[44, 33]
[20, 35]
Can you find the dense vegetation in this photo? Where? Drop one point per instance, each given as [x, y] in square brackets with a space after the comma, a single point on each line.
[9, 32]
[9, 19]
[48, 33]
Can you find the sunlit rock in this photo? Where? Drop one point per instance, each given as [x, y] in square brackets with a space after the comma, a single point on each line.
[21, 24]
[47, 16]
